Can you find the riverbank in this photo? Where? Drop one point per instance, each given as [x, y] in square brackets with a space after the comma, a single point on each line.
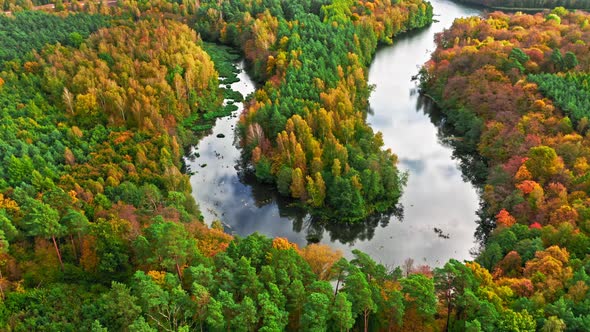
[436, 186]
[522, 7]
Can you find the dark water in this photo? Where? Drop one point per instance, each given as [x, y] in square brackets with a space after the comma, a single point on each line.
[436, 195]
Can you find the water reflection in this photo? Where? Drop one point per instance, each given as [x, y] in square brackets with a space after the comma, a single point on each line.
[437, 200]
[473, 166]
[314, 230]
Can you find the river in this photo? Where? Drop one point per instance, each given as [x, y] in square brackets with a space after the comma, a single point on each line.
[436, 196]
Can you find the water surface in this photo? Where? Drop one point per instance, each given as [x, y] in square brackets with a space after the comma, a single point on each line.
[436, 195]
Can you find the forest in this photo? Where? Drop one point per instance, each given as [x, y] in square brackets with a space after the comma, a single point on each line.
[99, 104]
[514, 85]
[529, 4]
[97, 225]
[305, 130]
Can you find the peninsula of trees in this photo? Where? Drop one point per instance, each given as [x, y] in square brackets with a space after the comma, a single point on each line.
[305, 129]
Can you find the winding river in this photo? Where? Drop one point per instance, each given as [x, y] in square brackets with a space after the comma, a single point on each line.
[438, 217]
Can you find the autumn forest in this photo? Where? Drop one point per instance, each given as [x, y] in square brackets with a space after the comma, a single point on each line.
[102, 102]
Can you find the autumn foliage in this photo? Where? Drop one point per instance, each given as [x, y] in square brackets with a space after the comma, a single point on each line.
[98, 229]
[305, 130]
[502, 81]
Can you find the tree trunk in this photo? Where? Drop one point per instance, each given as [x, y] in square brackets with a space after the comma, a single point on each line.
[80, 241]
[57, 251]
[336, 290]
[1, 289]
[178, 271]
[73, 246]
[366, 319]
[448, 314]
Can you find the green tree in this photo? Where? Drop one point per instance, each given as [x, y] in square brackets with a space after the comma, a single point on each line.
[169, 245]
[284, 180]
[368, 266]
[97, 327]
[357, 287]
[519, 58]
[75, 223]
[451, 282]
[202, 299]
[296, 297]
[570, 61]
[247, 317]
[246, 279]
[553, 324]
[273, 317]
[140, 325]
[167, 305]
[19, 169]
[512, 321]
[43, 221]
[229, 308]
[391, 308]
[10, 232]
[543, 163]
[341, 318]
[420, 295]
[117, 308]
[557, 58]
[315, 312]
[215, 318]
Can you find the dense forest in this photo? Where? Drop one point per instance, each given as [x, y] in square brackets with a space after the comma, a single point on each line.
[97, 225]
[529, 4]
[301, 144]
[507, 82]
[98, 228]
[305, 129]
[36, 29]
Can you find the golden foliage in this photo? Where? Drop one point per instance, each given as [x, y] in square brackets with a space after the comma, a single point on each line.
[8, 204]
[282, 243]
[158, 276]
[321, 258]
[212, 241]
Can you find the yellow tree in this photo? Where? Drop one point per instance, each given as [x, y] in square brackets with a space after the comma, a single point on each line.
[321, 258]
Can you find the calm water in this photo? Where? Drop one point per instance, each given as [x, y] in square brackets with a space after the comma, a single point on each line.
[436, 195]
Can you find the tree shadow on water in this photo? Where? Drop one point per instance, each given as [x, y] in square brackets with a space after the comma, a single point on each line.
[474, 168]
[315, 229]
